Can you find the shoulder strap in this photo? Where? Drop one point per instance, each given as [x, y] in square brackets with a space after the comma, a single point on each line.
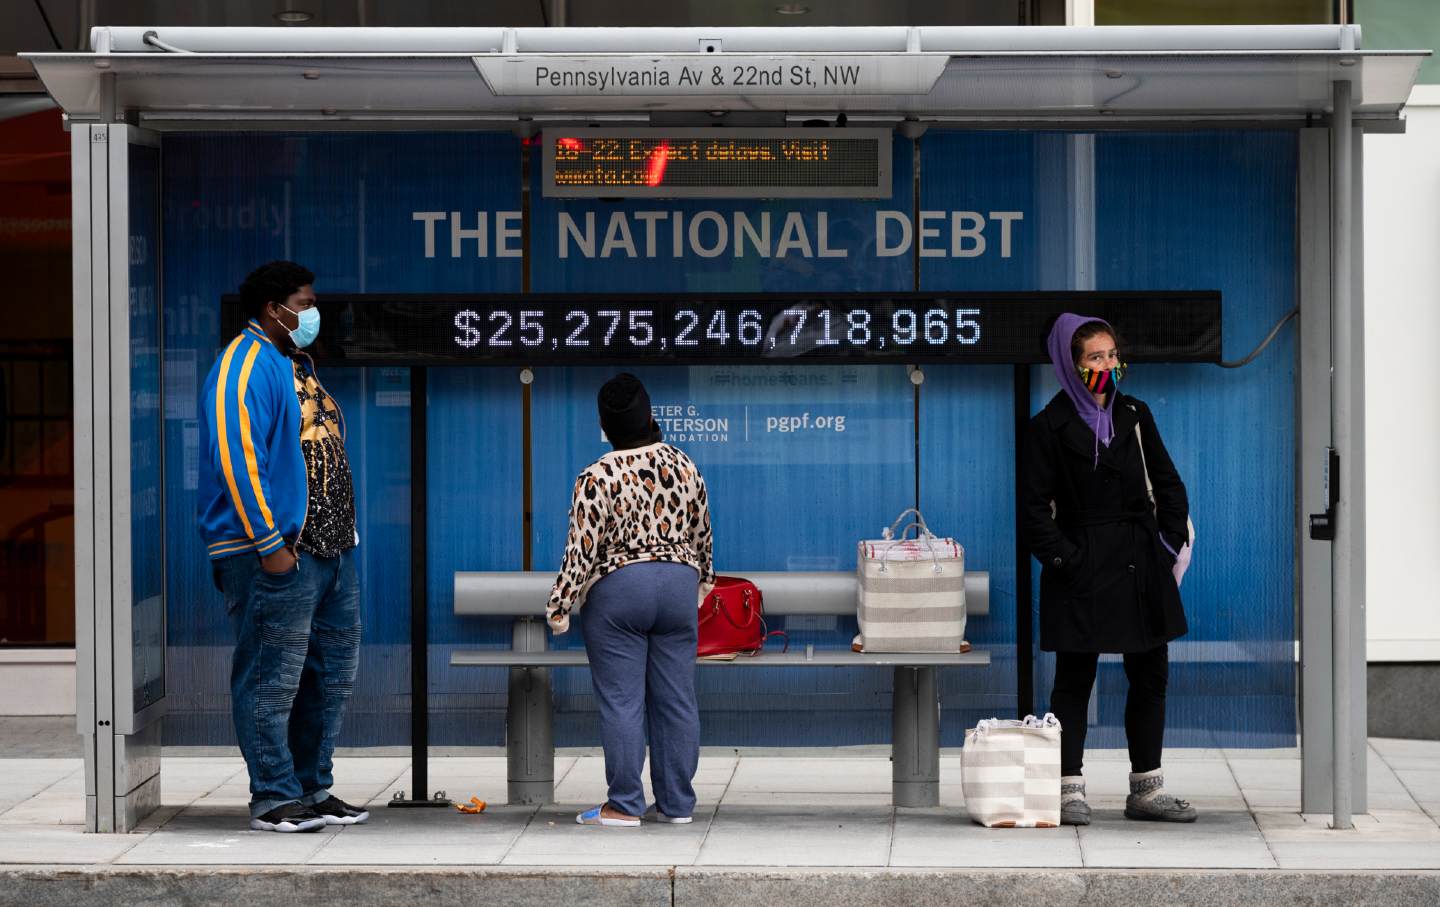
[1149, 489]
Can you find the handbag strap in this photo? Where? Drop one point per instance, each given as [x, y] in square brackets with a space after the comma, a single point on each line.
[919, 518]
[1149, 489]
[928, 538]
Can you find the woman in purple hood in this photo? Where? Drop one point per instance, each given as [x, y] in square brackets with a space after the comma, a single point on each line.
[1107, 554]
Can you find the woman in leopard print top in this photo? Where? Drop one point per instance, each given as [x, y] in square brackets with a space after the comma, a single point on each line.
[639, 557]
[632, 505]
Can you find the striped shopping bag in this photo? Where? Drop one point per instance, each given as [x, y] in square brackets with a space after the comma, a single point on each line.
[1010, 772]
[911, 592]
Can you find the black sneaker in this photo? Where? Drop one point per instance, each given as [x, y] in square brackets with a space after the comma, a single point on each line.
[289, 817]
[337, 812]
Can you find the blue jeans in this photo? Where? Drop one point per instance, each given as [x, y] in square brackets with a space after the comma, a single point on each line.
[297, 643]
[640, 628]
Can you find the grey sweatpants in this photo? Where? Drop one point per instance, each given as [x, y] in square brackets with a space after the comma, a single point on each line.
[640, 626]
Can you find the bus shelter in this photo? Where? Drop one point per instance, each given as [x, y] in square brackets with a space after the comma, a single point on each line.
[551, 172]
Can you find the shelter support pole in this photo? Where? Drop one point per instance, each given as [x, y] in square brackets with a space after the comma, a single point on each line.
[915, 740]
[529, 724]
[1347, 414]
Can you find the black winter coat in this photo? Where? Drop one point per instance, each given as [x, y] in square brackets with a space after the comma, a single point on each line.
[1106, 583]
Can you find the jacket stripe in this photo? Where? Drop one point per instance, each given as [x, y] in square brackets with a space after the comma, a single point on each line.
[252, 466]
[222, 439]
[245, 545]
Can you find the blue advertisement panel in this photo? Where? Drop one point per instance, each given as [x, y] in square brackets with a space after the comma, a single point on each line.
[1226, 219]
[802, 461]
[344, 206]
[147, 565]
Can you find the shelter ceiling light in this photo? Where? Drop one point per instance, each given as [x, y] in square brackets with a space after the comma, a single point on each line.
[1113, 74]
[792, 9]
[294, 16]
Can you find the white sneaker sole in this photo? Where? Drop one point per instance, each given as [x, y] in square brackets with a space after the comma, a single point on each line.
[673, 820]
[348, 820]
[287, 827]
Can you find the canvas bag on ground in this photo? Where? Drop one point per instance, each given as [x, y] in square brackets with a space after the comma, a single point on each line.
[911, 591]
[1010, 772]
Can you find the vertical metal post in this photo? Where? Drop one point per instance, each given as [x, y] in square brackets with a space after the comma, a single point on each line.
[419, 592]
[915, 738]
[419, 599]
[1344, 433]
[1024, 627]
[529, 723]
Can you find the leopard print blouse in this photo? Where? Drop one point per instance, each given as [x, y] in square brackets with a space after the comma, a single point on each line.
[643, 504]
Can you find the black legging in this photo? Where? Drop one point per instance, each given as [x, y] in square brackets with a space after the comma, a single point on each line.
[1144, 706]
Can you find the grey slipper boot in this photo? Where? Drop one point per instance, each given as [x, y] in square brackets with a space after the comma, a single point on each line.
[1149, 801]
[1073, 808]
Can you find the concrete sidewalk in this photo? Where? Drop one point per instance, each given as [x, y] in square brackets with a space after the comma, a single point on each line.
[766, 827]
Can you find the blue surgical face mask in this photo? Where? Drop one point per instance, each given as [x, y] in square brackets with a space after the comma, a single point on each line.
[308, 328]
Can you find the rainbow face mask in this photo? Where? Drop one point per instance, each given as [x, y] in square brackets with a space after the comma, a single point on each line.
[1102, 381]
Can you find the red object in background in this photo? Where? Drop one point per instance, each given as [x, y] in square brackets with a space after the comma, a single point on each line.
[34, 180]
[656, 173]
[570, 144]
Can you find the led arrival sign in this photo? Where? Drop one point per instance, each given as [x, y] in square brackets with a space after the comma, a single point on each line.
[707, 163]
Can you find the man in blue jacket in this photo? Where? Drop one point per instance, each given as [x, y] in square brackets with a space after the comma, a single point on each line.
[277, 513]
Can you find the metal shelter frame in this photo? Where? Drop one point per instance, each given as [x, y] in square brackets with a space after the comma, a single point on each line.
[1313, 79]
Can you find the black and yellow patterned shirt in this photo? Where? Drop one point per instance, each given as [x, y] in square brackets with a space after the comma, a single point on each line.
[330, 516]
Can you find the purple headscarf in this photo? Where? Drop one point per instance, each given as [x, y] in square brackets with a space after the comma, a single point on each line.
[1058, 345]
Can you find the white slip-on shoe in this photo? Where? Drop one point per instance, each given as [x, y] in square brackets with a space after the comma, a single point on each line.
[597, 816]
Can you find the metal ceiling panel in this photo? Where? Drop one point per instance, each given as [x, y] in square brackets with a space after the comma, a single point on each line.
[1029, 73]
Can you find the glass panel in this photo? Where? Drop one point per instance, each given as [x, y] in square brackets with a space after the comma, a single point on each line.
[1403, 25]
[343, 206]
[800, 463]
[1225, 221]
[797, 500]
[967, 435]
[1217, 12]
[37, 549]
[147, 558]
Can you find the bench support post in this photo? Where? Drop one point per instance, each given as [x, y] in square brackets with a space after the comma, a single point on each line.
[915, 742]
[529, 728]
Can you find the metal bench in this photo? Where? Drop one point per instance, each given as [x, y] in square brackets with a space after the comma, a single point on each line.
[529, 730]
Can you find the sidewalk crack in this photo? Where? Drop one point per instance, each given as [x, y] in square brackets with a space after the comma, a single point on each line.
[1248, 808]
[709, 824]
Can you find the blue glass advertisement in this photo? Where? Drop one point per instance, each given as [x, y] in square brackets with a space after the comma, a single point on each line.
[802, 461]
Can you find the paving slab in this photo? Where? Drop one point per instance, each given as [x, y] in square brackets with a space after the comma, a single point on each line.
[424, 837]
[552, 838]
[223, 838]
[947, 837]
[819, 775]
[1422, 784]
[1407, 754]
[62, 844]
[1217, 840]
[798, 836]
[1381, 839]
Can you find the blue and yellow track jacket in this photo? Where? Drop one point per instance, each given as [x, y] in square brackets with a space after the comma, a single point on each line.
[253, 493]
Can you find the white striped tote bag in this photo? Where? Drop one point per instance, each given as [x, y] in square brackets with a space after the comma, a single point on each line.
[1010, 772]
[911, 592]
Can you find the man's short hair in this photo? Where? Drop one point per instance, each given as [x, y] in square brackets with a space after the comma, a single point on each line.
[273, 282]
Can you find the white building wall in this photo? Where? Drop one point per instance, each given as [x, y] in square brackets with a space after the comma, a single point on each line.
[1402, 391]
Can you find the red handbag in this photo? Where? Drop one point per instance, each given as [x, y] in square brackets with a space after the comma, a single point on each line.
[732, 620]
